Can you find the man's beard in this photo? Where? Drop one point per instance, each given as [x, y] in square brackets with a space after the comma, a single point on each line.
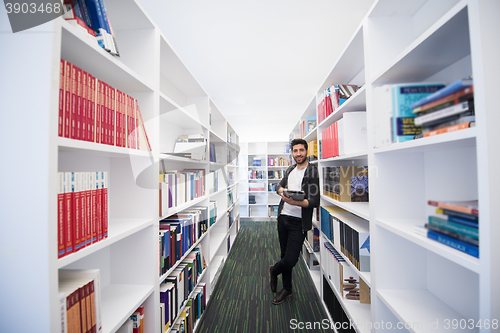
[296, 158]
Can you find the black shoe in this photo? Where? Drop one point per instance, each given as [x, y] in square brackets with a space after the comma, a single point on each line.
[281, 296]
[273, 280]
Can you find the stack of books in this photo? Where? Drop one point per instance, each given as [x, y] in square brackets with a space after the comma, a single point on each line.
[82, 210]
[447, 110]
[91, 17]
[455, 224]
[333, 98]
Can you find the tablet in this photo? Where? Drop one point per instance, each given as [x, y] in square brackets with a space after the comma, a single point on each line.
[295, 195]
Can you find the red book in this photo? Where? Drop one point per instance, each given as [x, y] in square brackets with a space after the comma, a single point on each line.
[99, 206]
[97, 99]
[88, 209]
[91, 107]
[60, 216]
[93, 192]
[77, 228]
[67, 99]
[336, 138]
[74, 101]
[136, 124]
[84, 116]
[81, 179]
[68, 226]
[104, 189]
[60, 124]
[79, 104]
[112, 107]
[104, 114]
[118, 111]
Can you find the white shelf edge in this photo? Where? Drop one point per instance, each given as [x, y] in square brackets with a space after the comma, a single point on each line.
[354, 156]
[118, 228]
[98, 149]
[361, 209]
[174, 210]
[119, 301]
[419, 306]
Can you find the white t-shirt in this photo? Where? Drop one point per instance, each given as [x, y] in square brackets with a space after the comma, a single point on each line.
[294, 184]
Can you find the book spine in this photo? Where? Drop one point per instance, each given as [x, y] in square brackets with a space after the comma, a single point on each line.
[68, 236]
[453, 207]
[89, 211]
[60, 216]
[450, 129]
[454, 243]
[104, 184]
[98, 206]
[84, 115]
[83, 209]
[447, 98]
[79, 104]
[75, 186]
[445, 91]
[94, 206]
[60, 125]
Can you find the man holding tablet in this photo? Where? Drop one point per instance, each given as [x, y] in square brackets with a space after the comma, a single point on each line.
[299, 191]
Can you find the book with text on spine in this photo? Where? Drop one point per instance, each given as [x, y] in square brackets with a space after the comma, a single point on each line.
[463, 206]
[445, 91]
[457, 244]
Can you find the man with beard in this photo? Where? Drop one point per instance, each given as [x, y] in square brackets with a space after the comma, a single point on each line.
[294, 216]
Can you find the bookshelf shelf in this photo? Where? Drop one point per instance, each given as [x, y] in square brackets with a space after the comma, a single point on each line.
[118, 228]
[417, 307]
[361, 209]
[404, 228]
[97, 149]
[356, 103]
[119, 301]
[347, 157]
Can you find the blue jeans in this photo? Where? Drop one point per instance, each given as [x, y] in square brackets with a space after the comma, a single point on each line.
[291, 238]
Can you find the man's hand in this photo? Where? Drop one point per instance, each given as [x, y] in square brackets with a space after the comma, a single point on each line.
[302, 203]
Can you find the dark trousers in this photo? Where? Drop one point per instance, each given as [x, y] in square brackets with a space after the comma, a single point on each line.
[291, 238]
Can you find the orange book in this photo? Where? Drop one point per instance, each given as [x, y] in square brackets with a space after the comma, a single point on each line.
[449, 129]
[463, 206]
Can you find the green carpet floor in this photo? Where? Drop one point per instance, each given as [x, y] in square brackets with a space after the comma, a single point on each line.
[242, 301]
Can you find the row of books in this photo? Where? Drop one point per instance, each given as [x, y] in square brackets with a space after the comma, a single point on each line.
[230, 197]
[278, 161]
[178, 187]
[309, 257]
[272, 210]
[82, 210]
[333, 97]
[349, 233]
[271, 187]
[346, 136]
[255, 161]
[307, 125]
[415, 110]
[213, 180]
[455, 224]
[212, 153]
[346, 183]
[256, 187]
[182, 298]
[313, 238]
[92, 110]
[449, 109]
[80, 300]
[275, 174]
[312, 151]
[336, 271]
[179, 232]
[92, 18]
[256, 174]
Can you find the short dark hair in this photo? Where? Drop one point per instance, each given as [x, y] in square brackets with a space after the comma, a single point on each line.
[298, 142]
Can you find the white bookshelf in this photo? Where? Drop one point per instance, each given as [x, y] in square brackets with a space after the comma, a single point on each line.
[414, 279]
[172, 103]
[264, 151]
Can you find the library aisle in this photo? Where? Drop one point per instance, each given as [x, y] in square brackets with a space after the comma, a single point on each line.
[242, 300]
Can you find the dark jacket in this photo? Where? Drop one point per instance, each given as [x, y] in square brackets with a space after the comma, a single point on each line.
[310, 186]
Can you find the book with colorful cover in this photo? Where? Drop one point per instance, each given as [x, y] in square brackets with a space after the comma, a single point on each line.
[445, 91]
[463, 206]
[466, 230]
[453, 234]
[403, 118]
[449, 241]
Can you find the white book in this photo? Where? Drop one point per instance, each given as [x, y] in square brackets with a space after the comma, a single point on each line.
[62, 309]
[94, 274]
[355, 132]
[382, 115]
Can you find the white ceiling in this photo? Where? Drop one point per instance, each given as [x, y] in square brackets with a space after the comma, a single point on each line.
[260, 61]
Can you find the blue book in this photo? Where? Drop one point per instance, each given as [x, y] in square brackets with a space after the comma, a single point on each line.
[449, 89]
[457, 244]
[403, 118]
[97, 18]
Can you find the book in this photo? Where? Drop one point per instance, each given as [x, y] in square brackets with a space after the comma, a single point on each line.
[447, 90]
[310, 123]
[463, 206]
[457, 244]
[468, 91]
[449, 129]
[458, 216]
[453, 109]
[466, 235]
[402, 120]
